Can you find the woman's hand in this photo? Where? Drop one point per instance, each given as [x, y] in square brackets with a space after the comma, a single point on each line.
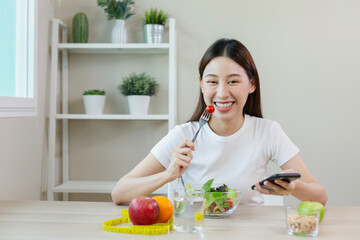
[180, 159]
[281, 188]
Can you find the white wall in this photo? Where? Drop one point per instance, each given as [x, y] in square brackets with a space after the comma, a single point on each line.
[306, 52]
[23, 140]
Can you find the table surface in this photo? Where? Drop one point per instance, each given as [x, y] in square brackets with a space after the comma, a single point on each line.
[83, 220]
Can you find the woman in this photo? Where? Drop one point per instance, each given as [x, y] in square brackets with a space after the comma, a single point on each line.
[236, 144]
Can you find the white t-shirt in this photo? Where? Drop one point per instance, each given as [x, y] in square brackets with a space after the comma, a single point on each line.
[239, 160]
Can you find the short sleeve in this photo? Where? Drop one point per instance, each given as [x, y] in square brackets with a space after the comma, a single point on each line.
[280, 148]
[163, 149]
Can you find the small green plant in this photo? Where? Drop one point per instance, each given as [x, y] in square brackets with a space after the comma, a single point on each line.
[139, 84]
[153, 16]
[94, 92]
[117, 9]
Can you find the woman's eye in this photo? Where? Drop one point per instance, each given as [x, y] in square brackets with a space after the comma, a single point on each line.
[211, 81]
[232, 82]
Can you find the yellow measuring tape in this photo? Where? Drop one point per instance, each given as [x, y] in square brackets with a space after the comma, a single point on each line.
[154, 229]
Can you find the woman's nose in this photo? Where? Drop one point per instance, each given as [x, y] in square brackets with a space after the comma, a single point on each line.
[223, 91]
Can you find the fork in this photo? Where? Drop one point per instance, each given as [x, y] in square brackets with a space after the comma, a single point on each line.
[204, 118]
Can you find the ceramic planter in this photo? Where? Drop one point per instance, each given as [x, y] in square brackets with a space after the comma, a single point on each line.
[118, 34]
[94, 104]
[139, 104]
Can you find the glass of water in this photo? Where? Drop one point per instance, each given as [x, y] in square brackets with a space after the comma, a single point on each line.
[189, 210]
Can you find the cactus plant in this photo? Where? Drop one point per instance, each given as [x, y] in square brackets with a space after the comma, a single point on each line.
[80, 28]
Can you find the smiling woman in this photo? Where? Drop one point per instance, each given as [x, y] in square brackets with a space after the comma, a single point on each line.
[17, 58]
[236, 144]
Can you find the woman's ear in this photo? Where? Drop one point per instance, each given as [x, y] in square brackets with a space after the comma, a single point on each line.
[200, 82]
[253, 87]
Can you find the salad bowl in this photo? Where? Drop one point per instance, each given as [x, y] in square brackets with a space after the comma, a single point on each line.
[220, 199]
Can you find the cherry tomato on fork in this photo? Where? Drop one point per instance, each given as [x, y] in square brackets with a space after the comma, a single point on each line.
[210, 109]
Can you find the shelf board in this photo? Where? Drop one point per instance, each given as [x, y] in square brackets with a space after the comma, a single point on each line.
[124, 48]
[113, 116]
[85, 187]
[93, 187]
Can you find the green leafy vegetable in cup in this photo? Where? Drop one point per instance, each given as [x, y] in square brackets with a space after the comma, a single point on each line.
[189, 189]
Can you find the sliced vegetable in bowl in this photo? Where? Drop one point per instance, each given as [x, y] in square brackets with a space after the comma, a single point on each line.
[220, 200]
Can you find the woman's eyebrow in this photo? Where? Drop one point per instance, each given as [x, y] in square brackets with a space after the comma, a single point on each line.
[228, 76]
[234, 75]
[211, 75]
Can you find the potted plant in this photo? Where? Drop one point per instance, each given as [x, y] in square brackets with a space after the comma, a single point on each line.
[138, 88]
[154, 25]
[118, 10]
[94, 101]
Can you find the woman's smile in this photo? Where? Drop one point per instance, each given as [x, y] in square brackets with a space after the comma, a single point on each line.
[223, 106]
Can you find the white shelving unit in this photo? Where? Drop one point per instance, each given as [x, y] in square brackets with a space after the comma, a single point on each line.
[64, 49]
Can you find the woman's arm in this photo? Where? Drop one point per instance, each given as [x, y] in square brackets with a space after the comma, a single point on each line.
[307, 188]
[145, 178]
[150, 175]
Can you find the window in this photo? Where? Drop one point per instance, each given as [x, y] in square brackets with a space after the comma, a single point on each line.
[17, 58]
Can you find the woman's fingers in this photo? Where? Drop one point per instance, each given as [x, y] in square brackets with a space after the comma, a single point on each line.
[182, 164]
[284, 184]
[277, 188]
[187, 144]
[181, 158]
[185, 152]
[264, 190]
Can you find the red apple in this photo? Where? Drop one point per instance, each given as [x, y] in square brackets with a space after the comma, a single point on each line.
[143, 211]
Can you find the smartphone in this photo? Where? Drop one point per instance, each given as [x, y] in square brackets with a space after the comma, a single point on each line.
[287, 177]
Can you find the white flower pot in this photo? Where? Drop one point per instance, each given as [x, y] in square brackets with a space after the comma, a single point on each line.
[118, 34]
[138, 104]
[94, 104]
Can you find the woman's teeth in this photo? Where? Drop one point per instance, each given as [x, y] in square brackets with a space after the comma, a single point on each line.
[223, 105]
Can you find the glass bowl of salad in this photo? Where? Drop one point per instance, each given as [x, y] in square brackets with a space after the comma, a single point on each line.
[220, 199]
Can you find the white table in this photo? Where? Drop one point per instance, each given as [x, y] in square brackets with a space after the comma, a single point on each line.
[83, 220]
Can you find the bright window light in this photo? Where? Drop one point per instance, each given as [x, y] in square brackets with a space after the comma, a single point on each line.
[17, 58]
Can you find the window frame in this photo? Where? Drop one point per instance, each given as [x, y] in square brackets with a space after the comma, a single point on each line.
[25, 106]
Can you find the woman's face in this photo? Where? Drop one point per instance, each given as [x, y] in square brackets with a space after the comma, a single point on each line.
[226, 86]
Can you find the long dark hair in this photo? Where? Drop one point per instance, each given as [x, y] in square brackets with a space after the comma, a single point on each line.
[235, 50]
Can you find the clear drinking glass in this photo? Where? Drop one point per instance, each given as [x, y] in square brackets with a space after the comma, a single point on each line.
[302, 224]
[189, 210]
